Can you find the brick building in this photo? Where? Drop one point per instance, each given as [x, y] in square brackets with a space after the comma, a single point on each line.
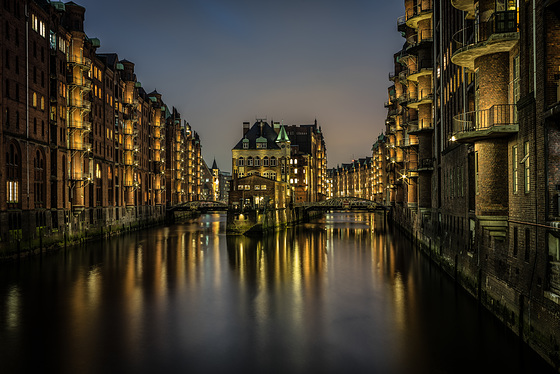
[472, 152]
[82, 142]
[294, 155]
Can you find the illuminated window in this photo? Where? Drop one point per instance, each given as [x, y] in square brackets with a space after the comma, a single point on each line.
[34, 22]
[34, 101]
[42, 103]
[13, 174]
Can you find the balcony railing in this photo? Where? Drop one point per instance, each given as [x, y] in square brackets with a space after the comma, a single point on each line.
[499, 120]
[423, 36]
[498, 34]
[418, 12]
[426, 163]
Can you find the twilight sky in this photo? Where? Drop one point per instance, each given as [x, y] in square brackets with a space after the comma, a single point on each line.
[223, 62]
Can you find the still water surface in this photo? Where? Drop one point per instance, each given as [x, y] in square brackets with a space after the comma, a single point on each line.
[337, 295]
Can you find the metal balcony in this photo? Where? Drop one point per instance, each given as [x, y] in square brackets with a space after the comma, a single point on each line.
[498, 34]
[401, 23]
[418, 13]
[421, 126]
[464, 5]
[418, 40]
[426, 164]
[422, 68]
[424, 97]
[84, 106]
[498, 121]
[83, 63]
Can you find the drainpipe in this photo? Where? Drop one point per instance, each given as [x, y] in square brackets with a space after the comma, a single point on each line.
[534, 49]
[27, 95]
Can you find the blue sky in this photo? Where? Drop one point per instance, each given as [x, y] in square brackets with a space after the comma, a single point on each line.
[223, 62]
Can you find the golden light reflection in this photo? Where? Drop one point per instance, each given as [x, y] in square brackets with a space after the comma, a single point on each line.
[13, 305]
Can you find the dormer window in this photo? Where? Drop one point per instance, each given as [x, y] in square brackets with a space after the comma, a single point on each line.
[245, 143]
[261, 143]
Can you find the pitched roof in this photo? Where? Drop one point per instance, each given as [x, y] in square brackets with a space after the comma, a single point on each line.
[214, 165]
[258, 130]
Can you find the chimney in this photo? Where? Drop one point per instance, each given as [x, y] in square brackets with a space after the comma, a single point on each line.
[245, 127]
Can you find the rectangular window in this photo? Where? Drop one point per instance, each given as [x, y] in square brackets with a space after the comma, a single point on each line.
[514, 171]
[527, 172]
[527, 244]
[13, 191]
[515, 241]
[263, 187]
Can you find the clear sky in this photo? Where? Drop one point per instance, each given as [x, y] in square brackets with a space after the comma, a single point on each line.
[223, 62]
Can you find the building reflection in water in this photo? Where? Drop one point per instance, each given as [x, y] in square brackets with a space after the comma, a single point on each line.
[342, 293]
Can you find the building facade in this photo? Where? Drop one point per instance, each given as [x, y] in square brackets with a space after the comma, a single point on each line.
[472, 152]
[293, 155]
[84, 147]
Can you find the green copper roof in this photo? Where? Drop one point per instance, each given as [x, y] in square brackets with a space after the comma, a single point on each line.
[261, 139]
[282, 136]
[245, 140]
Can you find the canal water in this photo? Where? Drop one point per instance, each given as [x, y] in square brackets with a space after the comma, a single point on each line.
[341, 294]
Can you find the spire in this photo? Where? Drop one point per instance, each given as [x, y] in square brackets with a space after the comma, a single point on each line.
[214, 165]
[282, 136]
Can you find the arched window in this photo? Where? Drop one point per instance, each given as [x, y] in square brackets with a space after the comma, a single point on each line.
[257, 161]
[34, 100]
[273, 161]
[39, 173]
[240, 162]
[42, 103]
[250, 161]
[265, 161]
[13, 173]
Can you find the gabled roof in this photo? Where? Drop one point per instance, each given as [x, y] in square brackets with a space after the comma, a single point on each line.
[259, 130]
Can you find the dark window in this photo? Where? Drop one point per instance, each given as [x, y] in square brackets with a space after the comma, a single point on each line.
[527, 244]
[39, 179]
[515, 241]
[7, 59]
[17, 64]
[17, 91]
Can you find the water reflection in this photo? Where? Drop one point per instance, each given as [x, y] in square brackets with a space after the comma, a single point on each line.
[341, 294]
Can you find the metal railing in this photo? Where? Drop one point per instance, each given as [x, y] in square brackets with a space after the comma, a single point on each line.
[499, 23]
[418, 10]
[426, 163]
[497, 115]
[423, 36]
